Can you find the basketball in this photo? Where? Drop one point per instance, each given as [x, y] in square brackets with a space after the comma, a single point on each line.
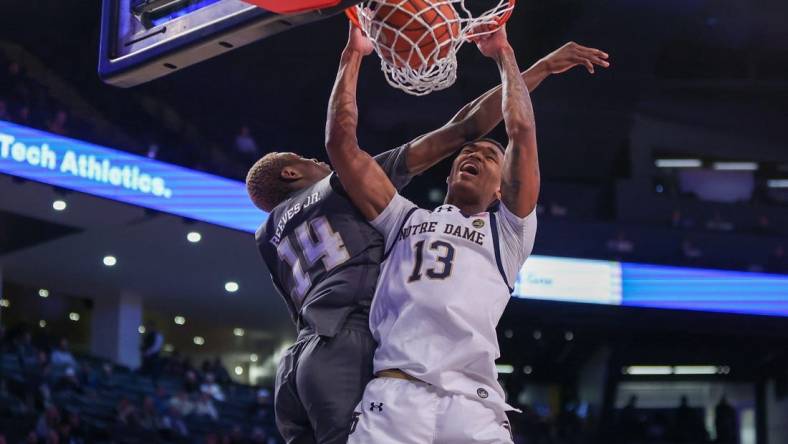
[416, 33]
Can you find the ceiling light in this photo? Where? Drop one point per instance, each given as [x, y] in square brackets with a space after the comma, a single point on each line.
[678, 163]
[42, 323]
[695, 370]
[253, 357]
[110, 261]
[73, 316]
[194, 237]
[537, 335]
[231, 287]
[169, 348]
[239, 370]
[777, 183]
[568, 335]
[528, 369]
[504, 368]
[735, 166]
[5, 303]
[44, 293]
[238, 332]
[141, 329]
[180, 320]
[648, 370]
[508, 334]
[59, 205]
[199, 340]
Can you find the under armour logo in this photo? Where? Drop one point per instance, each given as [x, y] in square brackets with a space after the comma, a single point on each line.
[447, 209]
[373, 406]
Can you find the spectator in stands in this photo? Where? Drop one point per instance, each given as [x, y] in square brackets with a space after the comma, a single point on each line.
[161, 400]
[725, 422]
[4, 114]
[77, 430]
[221, 373]
[689, 425]
[149, 417]
[37, 390]
[764, 225]
[691, 253]
[191, 382]
[558, 210]
[25, 352]
[127, 414]
[262, 408]
[106, 376]
[717, 223]
[210, 387]
[48, 423]
[620, 246]
[152, 345]
[59, 123]
[245, 144]
[172, 425]
[68, 381]
[181, 403]
[630, 425]
[23, 116]
[204, 407]
[777, 262]
[61, 357]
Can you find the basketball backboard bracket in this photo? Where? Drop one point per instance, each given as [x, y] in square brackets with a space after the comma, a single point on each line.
[142, 40]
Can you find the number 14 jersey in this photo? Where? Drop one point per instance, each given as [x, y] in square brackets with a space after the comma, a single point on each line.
[444, 284]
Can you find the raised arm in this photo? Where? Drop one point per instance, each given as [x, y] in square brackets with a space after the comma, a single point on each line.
[365, 182]
[482, 115]
[520, 175]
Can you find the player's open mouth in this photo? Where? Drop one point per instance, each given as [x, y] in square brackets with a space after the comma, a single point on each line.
[469, 168]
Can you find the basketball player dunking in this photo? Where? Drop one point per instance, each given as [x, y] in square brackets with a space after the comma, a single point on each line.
[324, 256]
[448, 273]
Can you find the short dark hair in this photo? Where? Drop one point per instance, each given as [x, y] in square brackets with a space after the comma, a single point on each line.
[264, 182]
[488, 140]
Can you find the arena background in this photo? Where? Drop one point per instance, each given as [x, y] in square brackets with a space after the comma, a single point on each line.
[660, 271]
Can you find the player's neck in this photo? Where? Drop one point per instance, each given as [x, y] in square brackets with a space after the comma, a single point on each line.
[467, 207]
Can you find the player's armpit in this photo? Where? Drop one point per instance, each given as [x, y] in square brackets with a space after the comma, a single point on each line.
[365, 183]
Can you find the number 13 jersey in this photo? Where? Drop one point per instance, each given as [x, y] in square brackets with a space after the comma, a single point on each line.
[444, 284]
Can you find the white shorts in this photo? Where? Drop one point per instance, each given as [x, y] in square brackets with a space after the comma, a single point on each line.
[396, 411]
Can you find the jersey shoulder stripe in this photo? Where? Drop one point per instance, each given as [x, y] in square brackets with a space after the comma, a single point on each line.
[401, 226]
[497, 249]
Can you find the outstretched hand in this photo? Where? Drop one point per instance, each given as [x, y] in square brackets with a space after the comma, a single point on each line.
[359, 42]
[571, 54]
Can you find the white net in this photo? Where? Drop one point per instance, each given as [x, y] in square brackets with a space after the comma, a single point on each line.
[418, 40]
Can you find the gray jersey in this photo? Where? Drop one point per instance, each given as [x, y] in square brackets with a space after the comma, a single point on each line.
[324, 257]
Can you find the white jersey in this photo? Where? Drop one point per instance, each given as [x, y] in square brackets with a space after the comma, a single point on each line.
[443, 287]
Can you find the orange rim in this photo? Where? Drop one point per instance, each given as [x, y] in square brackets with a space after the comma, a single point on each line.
[352, 14]
[505, 18]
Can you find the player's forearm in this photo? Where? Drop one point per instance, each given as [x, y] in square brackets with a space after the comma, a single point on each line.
[475, 120]
[520, 185]
[342, 121]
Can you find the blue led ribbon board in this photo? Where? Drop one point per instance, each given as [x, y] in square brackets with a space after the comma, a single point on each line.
[136, 180]
[124, 177]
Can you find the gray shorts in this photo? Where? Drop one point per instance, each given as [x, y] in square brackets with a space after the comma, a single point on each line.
[319, 382]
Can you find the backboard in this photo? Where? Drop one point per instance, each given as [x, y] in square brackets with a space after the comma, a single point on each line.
[142, 40]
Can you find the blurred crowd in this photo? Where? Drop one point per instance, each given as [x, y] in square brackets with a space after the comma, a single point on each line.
[25, 101]
[63, 396]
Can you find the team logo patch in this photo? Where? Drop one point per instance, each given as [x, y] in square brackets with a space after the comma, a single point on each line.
[478, 223]
[482, 393]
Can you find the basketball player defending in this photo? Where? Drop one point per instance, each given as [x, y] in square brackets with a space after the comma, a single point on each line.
[324, 257]
[448, 273]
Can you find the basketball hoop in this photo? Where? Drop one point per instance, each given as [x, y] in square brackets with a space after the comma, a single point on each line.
[417, 40]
